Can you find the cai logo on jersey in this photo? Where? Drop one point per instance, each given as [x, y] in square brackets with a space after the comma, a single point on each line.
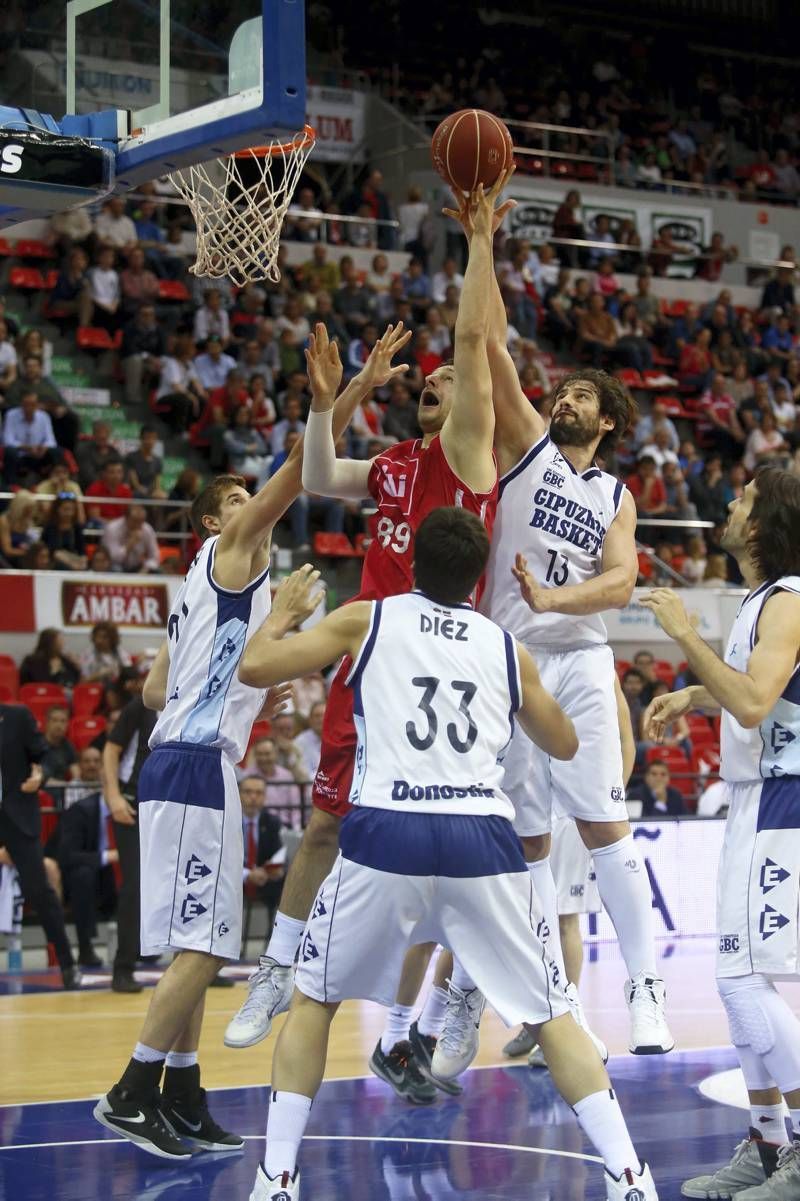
[191, 908]
[396, 479]
[567, 519]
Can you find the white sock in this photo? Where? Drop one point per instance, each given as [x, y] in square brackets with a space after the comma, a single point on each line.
[146, 1054]
[398, 1021]
[601, 1120]
[431, 1020]
[286, 1123]
[545, 888]
[285, 940]
[461, 978]
[625, 891]
[181, 1059]
[794, 1115]
[399, 1182]
[770, 1122]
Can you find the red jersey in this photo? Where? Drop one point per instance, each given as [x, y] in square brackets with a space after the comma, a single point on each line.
[407, 482]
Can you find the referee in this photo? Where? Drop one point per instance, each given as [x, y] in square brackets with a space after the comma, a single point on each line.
[124, 753]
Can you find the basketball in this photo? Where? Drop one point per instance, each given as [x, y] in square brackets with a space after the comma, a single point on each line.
[471, 147]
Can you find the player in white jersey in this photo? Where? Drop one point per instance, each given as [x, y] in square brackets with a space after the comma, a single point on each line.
[565, 529]
[757, 687]
[189, 812]
[428, 851]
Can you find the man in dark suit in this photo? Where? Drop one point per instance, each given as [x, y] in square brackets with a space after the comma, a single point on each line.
[658, 799]
[86, 855]
[264, 854]
[21, 750]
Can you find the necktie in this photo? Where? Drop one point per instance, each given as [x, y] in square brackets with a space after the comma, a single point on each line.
[252, 842]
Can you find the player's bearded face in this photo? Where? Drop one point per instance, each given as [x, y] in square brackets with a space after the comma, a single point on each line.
[436, 400]
[574, 423]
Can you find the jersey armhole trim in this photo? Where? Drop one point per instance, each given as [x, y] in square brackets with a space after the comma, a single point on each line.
[248, 590]
[362, 658]
[526, 459]
[512, 668]
[770, 590]
[619, 492]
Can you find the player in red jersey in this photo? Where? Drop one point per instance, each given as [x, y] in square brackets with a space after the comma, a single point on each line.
[451, 464]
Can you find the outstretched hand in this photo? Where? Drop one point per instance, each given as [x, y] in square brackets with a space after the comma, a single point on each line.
[277, 700]
[297, 597]
[466, 204]
[533, 594]
[378, 369]
[662, 711]
[324, 369]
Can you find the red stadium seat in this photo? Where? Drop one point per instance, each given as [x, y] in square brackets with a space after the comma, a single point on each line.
[622, 665]
[92, 337]
[630, 377]
[334, 546]
[705, 762]
[7, 696]
[173, 289]
[6, 249]
[84, 730]
[703, 738]
[664, 670]
[645, 564]
[27, 279]
[30, 248]
[54, 694]
[87, 699]
[698, 723]
[9, 674]
[673, 756]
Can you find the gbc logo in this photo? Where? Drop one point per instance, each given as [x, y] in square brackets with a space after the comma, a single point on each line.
[11, 158]
[728, 944]
[552, 477]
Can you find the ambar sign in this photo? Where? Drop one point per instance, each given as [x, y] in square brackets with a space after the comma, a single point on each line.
[84, 604]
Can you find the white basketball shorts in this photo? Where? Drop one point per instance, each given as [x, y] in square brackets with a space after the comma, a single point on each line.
[590, 786]
[402, 879]
[572, 869]
[758, 884]
[190, 831]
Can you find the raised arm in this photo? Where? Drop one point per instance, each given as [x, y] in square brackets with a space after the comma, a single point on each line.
[747, 695]
[323, 473]
[541, 717]
[611, 589]
[270, 657]
[468, 432]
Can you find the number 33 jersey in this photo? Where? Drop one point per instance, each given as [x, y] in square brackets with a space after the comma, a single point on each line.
[407, 482]
[557, 518]
[435, 690]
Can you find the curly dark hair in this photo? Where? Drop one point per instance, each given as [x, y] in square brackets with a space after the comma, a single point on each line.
[774, 539]
[615, 401]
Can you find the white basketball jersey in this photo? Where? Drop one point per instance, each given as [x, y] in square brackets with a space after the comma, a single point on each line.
[557, 518]
[435, 690]
[773, 748]
[207, 631]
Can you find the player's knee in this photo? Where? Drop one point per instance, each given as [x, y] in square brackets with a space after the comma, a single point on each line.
[322, 831]
[536, 847]
[746, 1003]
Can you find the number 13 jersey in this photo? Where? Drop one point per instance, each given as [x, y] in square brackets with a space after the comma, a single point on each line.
[557, 518]
[435, 689]
[407, 482]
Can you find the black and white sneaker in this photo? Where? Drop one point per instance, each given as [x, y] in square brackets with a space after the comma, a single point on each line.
[189, 1119]
[141, 1123]
[423, 1046]
[400, 1070]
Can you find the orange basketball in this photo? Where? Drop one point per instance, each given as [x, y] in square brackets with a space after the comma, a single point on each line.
[471, 147]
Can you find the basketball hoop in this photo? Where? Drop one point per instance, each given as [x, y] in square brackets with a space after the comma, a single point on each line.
[238, 217]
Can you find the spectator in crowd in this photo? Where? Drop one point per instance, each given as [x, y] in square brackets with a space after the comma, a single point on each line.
[307, 691]
[213, 365]
[109, 487]
[37, 558]
[211, 320]
[49, 663]
[716, 574]
[63, 534]
[246, 448]
[21, 751]
[290, 423]
[649, 423]
[138, 284]
[766, 445]
[60, 760]
[778, 340]
[351, 301]
[100, 562]
[66, 423]
[778, 294]
[8, 360]
[418, 288]
[721, 422]
[695, 561]
[67, 296]
[186, 487]
[180, 392]
[114, 229]
[284, 730]
[598, 335]
[714, 257]
[568, 223]
[264, 852]
[59, 480]
[787, 179]
[131, 542]
[658, 797]
[282, 796]
[400, 419]
[150, 235]
[294, 319]
[96, 453]
[632, 338]
[309, 741]
[708, 491]
[144, 466]
[647, 488]
[29, 440]
[413, 216]
[448, 277]
[33, 344]
[100, 303]
[86, 854]
[633, 685]
[104, 658]
[19, 528]
[323, 270]
[70, 229]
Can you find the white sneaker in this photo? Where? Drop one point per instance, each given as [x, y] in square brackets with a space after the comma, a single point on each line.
[520, 1044]
[631, 1186]
[784, 1183]
[576, 1009]
[271, 987]
[745, 1170]
[457, 1045]
[645, 996]
[279, 1188]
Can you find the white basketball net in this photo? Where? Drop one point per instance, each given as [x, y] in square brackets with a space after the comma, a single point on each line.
[238, 203]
